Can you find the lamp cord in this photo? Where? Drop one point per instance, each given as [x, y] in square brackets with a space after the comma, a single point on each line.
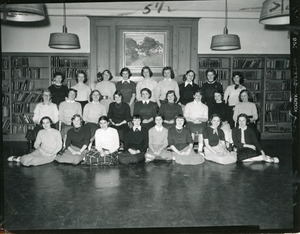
[225, 31]
[65, 26]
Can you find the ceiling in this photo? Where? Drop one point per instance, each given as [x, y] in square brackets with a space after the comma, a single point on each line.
[196, 8]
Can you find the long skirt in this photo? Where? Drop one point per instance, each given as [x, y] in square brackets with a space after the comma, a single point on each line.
[68, 157]
[191, 159]
[227, 132]
[35, 158]
[226, 157]
[164, 155]
[245, 153]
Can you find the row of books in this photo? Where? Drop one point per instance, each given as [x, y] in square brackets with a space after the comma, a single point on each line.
[276, 129]
[278, 106]
[221, 74]
[252, 75]
[255, 97]
[26, 85]
[70, 73]
[21, 107]
[20, 129]
[285, 85]
[5, 63]
[5, 99]
[277, 116]
[246, 63]
[4, 74]
[5, 125]
[65, 62]
[23, 119]
[278, 75]
[5, 88]
[252, 85]
[25, 73]
[19, 61]
[278, 96]
[27, 97]
[278, 64]
[220, 62]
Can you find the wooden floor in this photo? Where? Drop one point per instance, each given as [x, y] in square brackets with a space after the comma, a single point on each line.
[209, 197]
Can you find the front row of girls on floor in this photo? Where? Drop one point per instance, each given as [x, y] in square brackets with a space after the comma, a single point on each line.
[144, 142]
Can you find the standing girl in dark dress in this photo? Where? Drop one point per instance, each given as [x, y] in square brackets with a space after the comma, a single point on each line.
[209, 87]
[119, 115]
[58, 90]
[146, 109]
[188, 88]
[247, 144]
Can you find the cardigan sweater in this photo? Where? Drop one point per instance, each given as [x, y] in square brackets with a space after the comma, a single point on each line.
[249, 135]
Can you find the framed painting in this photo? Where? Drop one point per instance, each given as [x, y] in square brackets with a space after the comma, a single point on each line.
[144, 48]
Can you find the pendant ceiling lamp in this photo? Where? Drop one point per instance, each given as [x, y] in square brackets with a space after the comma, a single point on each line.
[64, 40]
[225, 41]
[275, 12]
[22, 12]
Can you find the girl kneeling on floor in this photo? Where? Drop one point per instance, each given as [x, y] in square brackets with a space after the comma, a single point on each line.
[158, 141]
[47, 144]
[214, 141]
[247, 144]
[181, 143]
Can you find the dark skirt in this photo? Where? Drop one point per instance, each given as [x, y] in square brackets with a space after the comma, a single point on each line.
[128, 158]
[245, 153]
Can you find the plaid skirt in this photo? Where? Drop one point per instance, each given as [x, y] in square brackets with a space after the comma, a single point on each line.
[93, 157]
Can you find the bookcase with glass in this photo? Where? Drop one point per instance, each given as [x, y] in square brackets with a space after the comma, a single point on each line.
[278, 99]
[69, 67]
[24, 76]
[267, 77]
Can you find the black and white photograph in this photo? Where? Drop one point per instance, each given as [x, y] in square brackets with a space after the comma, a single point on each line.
[150, 116]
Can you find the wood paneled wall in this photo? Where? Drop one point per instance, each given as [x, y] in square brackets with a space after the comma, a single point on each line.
[106, 42]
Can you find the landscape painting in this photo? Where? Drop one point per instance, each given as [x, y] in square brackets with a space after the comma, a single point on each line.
[145, 49]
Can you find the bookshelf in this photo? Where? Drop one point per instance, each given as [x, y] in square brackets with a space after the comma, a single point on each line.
[24, 76]
[267, 77]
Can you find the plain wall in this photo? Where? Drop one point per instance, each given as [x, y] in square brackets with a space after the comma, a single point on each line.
[255, 37]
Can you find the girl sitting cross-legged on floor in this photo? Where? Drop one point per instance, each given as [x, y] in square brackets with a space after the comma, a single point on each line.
[181, 143]
[47, 144]
[214, 141]
[247, 144]
[158, 141]
[78, 139]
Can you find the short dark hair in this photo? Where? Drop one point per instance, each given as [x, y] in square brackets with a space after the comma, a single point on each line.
[137, 117]
[103, 117]
[212, 116]
[198, 91]
[72, 90]
[180, 116]
[159, 115]
[148, 91]
[146, 68]
[213, 71]
[118, 92]
[242, 115]
[187, 72]
[94, 91]
[101, 74]
[169, 92]
[250, 98]
[81, 72]
[59, 73]
[240, 74]
[220, 92]
[46, 117]
[126, 69]
[168, 68]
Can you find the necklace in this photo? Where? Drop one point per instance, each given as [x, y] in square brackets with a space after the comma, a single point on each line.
[57, 86]
[179, 130]
[77, 129]
[118, 105]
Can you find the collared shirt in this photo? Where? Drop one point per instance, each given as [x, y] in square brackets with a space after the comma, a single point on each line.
[159, 129]
[243, 134]
[125, 81]
[146, 101]
[195, 110]
[70, 101]
[188, 83]
[137, 128]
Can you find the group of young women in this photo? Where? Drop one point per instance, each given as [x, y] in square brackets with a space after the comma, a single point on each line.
[147, 121]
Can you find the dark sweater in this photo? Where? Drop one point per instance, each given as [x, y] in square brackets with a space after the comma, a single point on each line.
[213, 139]
[59, 93]
[137, 140]
[208, 92]
[187, 93]
[117, 113]
[126, 89]
[180, 139]
[250, 138]
[146, 111]
[222, 109]
[78, 139]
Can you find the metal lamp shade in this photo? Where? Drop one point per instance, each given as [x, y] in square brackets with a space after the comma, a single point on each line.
[23, 12]
[225, 42]
[64, 41]
[275, 12]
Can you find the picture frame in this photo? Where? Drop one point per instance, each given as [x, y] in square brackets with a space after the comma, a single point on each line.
[141, 48]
